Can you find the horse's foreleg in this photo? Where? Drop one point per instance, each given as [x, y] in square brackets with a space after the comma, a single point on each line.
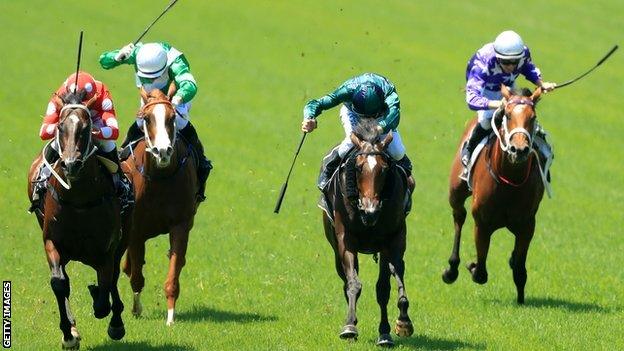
[459, 217]
[70, 316]
[404, 325]
[60, 286]
[136, 258]
[178, 240]
[517, 261]
[101, 292]
[383, 296]
[353, 289]
[482, 241]
[116, 329]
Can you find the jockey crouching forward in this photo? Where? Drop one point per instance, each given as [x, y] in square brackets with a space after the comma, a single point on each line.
[494, 64]
[366, 96]
[105, 132]
[157, 65]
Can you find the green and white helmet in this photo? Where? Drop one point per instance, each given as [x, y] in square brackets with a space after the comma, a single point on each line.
[151, 60]
[508, 45]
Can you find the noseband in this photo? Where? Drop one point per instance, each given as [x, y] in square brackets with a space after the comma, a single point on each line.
[504, 141]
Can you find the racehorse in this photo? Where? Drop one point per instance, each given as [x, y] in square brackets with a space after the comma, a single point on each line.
[506, 191]
[80, 218]
[368, 196]
[164, 175]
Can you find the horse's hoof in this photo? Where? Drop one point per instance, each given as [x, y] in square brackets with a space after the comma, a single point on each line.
[385, 340]
[75, 333]
[116, 333]
[349, 331]
[137, 309]
[404, 328]
[71, 344]
[450, 276]
[477, 276]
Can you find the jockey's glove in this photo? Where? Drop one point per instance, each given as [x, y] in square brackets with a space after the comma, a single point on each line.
[124, 52]
[176, 100]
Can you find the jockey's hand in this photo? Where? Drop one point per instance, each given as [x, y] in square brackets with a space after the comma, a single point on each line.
[548, 86]
[308, 125]
[176, 100]
[124, 52]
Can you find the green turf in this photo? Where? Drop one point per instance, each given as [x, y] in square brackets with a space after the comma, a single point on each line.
[259, 281]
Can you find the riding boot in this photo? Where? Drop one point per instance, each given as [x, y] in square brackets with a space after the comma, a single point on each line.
[41, 181]
[406, 164]
[476, 135]
[134, 134]
[123, 188]
[328, 167]
[203, 170]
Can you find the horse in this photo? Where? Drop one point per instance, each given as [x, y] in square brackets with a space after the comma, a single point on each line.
[164, 175]
[506, 192]
[80, 218]
[368, 195]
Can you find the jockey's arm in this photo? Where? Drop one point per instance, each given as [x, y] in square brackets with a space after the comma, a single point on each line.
[107, 59]
[184, 80]
[391, 120]
[51, 119]
[104, 106]
[314, 107]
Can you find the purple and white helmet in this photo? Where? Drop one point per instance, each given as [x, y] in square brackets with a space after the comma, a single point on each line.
[509, 46]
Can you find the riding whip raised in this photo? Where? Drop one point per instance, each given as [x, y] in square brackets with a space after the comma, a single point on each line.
[157, 18]
[283, 191]
[78, 62]
[593, 68]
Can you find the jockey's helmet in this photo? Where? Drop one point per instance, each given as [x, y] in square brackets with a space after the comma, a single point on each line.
[508, 45]
[368, 100]
[85, 81]
[151, 60]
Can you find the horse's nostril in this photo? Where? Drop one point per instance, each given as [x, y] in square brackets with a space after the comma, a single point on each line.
[155, 150]
[512, 149]
[169, 150]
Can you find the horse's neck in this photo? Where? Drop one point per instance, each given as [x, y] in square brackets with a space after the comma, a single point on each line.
[91, 183]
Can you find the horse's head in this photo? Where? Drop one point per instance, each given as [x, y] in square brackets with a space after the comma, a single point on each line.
[158, 116]
[518, 125]
[73, 134]
[371, 167]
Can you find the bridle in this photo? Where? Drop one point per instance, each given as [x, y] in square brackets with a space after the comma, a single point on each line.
[505, 140]
[383, 155]
[149, 145]
[89, 150]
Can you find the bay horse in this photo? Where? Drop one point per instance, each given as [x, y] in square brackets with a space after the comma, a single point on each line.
[80, 218]
[163, 171]
[506, 191]
[368, 196]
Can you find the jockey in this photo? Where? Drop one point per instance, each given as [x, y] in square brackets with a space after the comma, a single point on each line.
[105, 130]
[366, 96]
[156, 66]
[494, 64]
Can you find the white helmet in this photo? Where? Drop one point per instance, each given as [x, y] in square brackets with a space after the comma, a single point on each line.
[509, 45]
[151, 60]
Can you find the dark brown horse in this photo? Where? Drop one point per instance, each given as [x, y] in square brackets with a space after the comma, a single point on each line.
[507, 189]
[368, 197]
[164, 175]
[81, 219]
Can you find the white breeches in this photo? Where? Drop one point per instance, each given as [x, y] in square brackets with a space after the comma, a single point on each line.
[485, 116]
[396, 149]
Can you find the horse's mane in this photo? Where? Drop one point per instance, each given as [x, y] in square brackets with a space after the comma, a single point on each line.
[73, 97]
[521, 92]
[366, 130]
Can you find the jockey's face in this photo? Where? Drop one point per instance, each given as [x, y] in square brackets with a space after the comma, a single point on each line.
[508, 66]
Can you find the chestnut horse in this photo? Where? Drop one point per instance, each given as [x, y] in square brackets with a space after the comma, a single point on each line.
[368, 196]
[507, 189]
[80, 218]
[164, 175]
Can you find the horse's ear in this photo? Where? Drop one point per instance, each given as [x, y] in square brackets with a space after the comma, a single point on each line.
[505, 91]
[536, 95]
[58, 100]
[143, 95]
[172, 90]
[386, 141]
[92, 100]
[355, 140]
